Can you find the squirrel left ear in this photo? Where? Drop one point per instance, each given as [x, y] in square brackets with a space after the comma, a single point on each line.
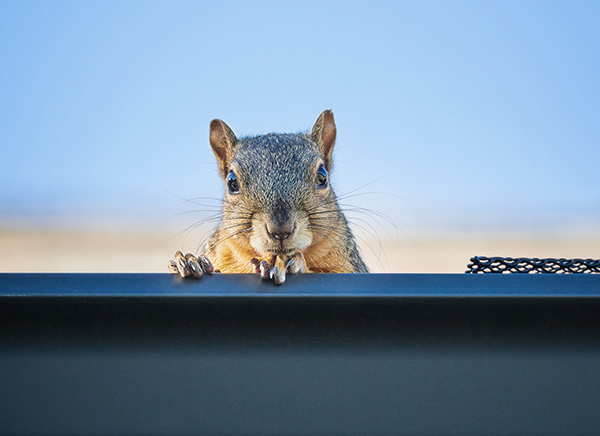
[222, 140]
[323, 133]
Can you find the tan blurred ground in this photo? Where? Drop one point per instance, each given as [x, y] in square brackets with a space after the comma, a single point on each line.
[28, 250]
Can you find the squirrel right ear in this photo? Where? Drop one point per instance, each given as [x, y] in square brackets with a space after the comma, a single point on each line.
[222, 140]
[323, 133]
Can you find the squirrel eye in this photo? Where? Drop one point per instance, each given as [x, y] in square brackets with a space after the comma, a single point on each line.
[232, 183]
[321, 181]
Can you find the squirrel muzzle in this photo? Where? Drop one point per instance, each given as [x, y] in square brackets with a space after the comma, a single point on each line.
[277, 233]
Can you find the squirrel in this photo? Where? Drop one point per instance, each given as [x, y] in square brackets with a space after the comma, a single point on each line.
[279, 212]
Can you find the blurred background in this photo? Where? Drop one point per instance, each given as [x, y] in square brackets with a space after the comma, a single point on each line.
[464, 128]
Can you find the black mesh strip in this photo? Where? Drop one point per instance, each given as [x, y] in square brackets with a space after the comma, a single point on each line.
[524, 265]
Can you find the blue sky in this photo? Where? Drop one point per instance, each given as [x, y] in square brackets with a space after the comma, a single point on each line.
[450, 112]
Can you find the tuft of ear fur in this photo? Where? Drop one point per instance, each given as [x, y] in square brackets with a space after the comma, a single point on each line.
[222, 140]
[323, 133]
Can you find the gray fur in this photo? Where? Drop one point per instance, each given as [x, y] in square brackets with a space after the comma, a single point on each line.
[276, 170]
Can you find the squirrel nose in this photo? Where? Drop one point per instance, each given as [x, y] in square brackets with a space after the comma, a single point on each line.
[279, 233]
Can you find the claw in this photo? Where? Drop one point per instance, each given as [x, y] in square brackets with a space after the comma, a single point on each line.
[190, 265]
[296, 264]
[206, 264]
[194, 265]
[256, 264]
[264, 269]
[182, 264]
[172, 266]
[278, 271]
[291, 266]
[278, 266]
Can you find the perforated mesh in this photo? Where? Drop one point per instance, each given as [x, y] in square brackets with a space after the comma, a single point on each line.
[523, 265]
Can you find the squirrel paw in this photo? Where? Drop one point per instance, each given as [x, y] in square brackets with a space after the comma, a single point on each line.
[277, 267]
[186, 265]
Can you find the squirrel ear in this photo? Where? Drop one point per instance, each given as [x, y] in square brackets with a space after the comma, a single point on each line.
[222, 140]
[323, 133]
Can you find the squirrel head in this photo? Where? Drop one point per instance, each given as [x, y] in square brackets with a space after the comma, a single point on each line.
[278, 197]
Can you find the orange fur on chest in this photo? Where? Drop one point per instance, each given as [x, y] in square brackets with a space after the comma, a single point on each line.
[232, 258]
[323, 257]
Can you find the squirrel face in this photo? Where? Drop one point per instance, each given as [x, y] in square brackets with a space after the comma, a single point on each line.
[277, 192]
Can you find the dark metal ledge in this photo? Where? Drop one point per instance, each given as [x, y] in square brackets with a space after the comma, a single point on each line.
[431, 354]
[301, 285]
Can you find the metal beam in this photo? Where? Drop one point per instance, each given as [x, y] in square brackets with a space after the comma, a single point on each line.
[430, 354]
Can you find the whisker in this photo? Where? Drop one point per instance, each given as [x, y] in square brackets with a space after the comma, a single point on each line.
[377, 239]
[231, 235]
